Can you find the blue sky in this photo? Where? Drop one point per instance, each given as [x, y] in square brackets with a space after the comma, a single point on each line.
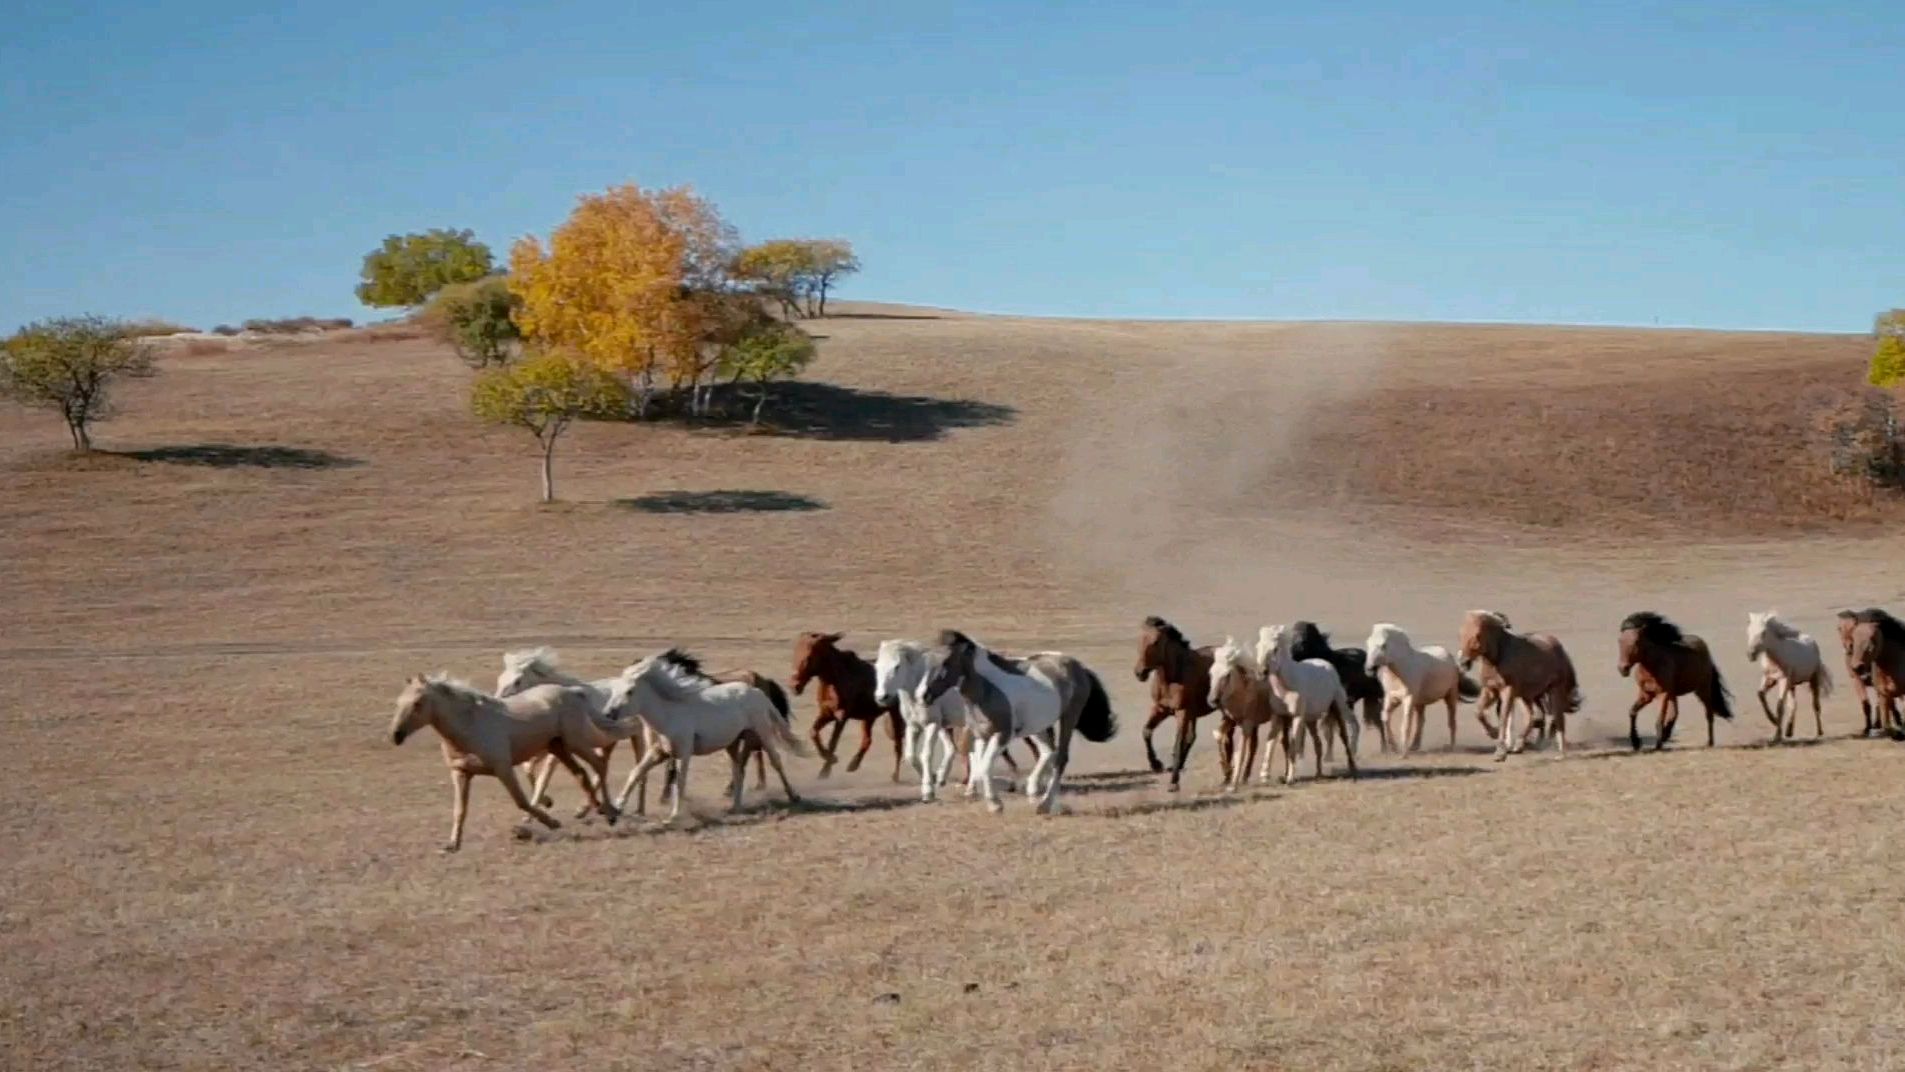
[1714, 164]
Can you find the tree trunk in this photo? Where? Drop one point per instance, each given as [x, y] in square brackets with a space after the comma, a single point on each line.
[81, 440]
[823, 298]
[754, 421]
[549, 470]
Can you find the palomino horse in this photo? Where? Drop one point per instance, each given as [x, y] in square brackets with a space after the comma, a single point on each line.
[1533, 668]
[688, 714]
[1668, 664]
[1022, 698]
[1862, 679]
[486, 735]
[846, 693]
[1180, 688]
[1787, 659]
[1362, 687]
[538, 666]
[1239, 691]
[1312, 693]
[1878, 651]
[1427, 675]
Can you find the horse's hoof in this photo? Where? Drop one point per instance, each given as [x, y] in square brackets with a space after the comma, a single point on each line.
[522, 833]
[1156, 767]
[994, 806]
[826, 771]
[448, 847]
[1501, 755]
[1172, 788]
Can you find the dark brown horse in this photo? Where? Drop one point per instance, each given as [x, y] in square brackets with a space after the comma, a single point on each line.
[1180, 689]
[1862, 679]
[1878, 655]
[1362, 687]
[1668, 664]
[845, 694]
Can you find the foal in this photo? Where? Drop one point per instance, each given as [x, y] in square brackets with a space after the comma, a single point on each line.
[1180, 688]
[847, 691]
[1668, 664]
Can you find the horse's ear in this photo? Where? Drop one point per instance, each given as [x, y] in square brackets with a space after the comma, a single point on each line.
[833, 638]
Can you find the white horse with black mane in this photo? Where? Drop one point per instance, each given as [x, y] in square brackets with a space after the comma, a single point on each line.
[1021, 698]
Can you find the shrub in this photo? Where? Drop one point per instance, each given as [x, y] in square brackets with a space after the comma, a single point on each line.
[226, 329]
[476, 320]
[69, 364]
[152, 328]
[296, 325]
[1888, 363]
[772, 352]
[1869, 445]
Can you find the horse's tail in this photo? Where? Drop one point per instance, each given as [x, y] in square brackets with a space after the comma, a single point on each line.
[775, 725]
[1096, 722]
[1822, 681]
[775, 695]
[1720, 697]
[1468, 688]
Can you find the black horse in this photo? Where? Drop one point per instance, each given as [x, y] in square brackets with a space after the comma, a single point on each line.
[1351, 666]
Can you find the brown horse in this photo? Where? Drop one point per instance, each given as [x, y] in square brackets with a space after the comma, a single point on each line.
[1533, 668]
[1862, 679]
[1180, 689]
[1670, 664]
[846, 693]
[1878, 654]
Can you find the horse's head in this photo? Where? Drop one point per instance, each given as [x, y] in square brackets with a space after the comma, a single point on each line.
[1273, 647]
[1472, 647]
[413, 709]
[812, 654]
[622, 693]
[1868, 646]
[1630, 650]
[1226, 666]
[1152, 641]
[957, 662]
[1756, 634]
[1380, 646]
[886, 672]
[1307, 641]
[525, 670]
[1848, 621]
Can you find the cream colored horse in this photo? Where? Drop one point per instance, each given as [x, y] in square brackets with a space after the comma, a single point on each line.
[687, 714]
[1415, 678]
[1788, 659]
[485, 735]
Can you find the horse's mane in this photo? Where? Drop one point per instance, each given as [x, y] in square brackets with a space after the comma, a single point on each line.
[686, 665]
[540, 658]
[665, 672]
[1381, 632]
[1494, 616]
[953, 638]
[1166, 630]
[1776, 627]
[1890, 628]
[456, 686]
[1232, 655]
[1652, 627]
[1309, 634]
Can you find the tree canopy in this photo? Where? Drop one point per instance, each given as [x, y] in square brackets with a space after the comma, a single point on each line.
[407, 269]
[543, 395]
[69, 365]
[796, 273]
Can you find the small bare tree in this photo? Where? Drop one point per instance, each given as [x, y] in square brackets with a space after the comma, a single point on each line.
[70, 364]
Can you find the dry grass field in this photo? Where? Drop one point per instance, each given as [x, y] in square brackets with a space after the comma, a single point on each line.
[213, 857]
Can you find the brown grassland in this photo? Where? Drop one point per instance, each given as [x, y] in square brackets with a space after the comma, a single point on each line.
[213, 858]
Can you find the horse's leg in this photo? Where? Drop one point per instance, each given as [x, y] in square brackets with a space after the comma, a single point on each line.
[760, 769]
[561, 752]
[1158, 714]
[1055, 767]
[1633, 720]
[1285, 728]
[866, 745]
[459, 807]
[1818, 720]
[1270, 739]
[540, 770]
[1669, 714]
[681, 782]
[1349, 750]
[1452, 698]
[1186, 736]
[639, 777]
[1766, 683]
[738, 762]
[1789, 695]
[919, 746]
[1043, 754]
[893, 724]
[507, 775]
[1558, 716]
[1316, 739]
[828, 757]
[987, 753]
[598, 761]
[1246, 755]
[1706, 704]
[833, 744]
[947, 746]
[774, 757]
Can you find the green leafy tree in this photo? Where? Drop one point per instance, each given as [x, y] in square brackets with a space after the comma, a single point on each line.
[407, 269]
[1888, 358]
[772, 351]
[544, 395]
[477, 320]
[70, 365]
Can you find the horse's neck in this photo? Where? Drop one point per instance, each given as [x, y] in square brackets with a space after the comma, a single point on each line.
[1180, 663]
[843, 668]
[456, 723]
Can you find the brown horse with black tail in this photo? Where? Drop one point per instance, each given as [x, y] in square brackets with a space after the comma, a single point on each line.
[846, 694]
[1862, 678]
[1668, 664]
[1180, 689]
[1363, 687]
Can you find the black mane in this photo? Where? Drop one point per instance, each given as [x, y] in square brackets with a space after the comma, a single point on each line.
[1890, 628]
[1166, 630]
[682, 661]
[1652, 627]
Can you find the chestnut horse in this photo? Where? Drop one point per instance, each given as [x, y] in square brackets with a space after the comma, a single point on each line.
[1862, 679]
[1533, 668]
[1180, 689]
[1364, 688]
[1671, 664]
[1878, 651]
[846, 693]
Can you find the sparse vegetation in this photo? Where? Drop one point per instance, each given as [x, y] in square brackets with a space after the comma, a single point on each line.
[293, 325]
[70, 365]
[543, 396]
[153, 328]
[476, 320]
[771, 352]
[407, 269]
[1888, 356]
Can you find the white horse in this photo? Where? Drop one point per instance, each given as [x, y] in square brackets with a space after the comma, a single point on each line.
[1313, 693]
[1425, 675]
[1021, 698]
[1788, 659]
[529, 667]
[688, 714]
[899, 671]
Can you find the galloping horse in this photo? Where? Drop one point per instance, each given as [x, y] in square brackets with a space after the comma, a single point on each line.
[1362, 687]
[847, 686]
[1533, 668]
[1426, 675]
[1787, 659]
[1862, 679]
[1239, 690]
[1878, 650]
[1671, 664]
[1180, 688]
[1023, 698]
[1311, 691]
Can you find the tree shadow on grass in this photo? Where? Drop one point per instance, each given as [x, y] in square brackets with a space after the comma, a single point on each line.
[814, 410]
[231, 456]
[724, 501]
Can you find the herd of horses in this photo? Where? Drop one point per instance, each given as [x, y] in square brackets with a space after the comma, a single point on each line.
[958, 698]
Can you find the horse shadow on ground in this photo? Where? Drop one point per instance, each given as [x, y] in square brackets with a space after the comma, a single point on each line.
[815, 410]
[722, 501]
[1404, 773]
[1177, 803]
[233, 456]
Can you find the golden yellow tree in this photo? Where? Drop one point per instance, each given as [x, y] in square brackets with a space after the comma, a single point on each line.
[623, 284]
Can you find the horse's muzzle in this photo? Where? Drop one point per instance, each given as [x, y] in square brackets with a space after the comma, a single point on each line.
[1626, 669]
[396, 736]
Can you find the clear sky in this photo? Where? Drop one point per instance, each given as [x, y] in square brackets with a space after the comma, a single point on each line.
[1724, 164]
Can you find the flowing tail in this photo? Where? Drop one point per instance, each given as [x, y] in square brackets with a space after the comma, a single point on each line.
[776, 695]
[1721, 698]
[1096, 722]
[1822, 681]
[778, 730]
[1469, 688]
